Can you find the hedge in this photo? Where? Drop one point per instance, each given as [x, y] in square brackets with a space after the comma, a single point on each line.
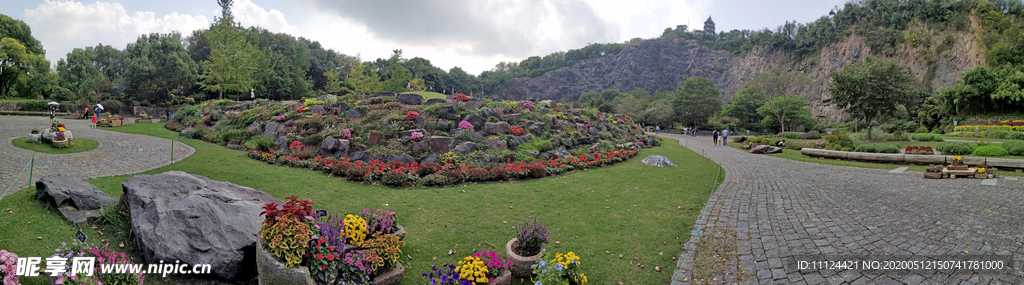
[926, 137]
[793, 135]
[1014, 147]
[878, 148]
[955, 148]
[990, 150]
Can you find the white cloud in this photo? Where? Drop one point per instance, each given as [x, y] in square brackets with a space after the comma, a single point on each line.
[249, 14]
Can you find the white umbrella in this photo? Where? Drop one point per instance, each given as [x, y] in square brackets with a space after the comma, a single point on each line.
[98, 106]
[53, 103]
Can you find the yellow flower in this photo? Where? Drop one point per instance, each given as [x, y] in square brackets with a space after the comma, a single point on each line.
[473, 269]
[980, 170]
[61, 129]
[355, 229]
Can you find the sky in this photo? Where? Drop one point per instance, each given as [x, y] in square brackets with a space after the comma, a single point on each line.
[474, 35]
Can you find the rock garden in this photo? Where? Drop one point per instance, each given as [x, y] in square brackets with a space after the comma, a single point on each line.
[401, 140]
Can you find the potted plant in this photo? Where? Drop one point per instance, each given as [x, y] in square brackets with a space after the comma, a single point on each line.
[989, 169]
[60, 141]
[564, 269]
[382, 253]
[282, 244]
[326, 249]
[445, 275]
[8, 267]
[104, 257]
[355, 231]
[934, 172]
[958, 164]
[979, 172]
[525, 249]
[34, 135]
[485, 267]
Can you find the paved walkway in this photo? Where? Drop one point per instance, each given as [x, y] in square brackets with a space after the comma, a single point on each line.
[781, 210]
[117, 153]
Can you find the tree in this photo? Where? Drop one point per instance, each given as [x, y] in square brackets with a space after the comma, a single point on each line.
[360, 82]
[418, 84]
[777, 83]
[20, 53]
[696, 100]
[798, 114]
[659, 114]
[232, 60]
[872, 88]
[744, 108]
[157, 69]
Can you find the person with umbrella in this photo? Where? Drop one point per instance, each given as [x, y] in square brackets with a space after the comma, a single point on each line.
[53, 110]
[96, 112]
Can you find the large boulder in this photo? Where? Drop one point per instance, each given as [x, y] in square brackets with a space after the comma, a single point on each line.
[254, 127]
[317, 109]
[518, 140]
[191, 218]
[534, 127]
[359, 155]
[410, 98]
[489, 112]
[76, 199]
[658, 160]
[466, 147]
[511, 117]
[383, 93]
[401, 157]
[430, 159]
[474, 103]
[331, 147]
[440, 144]
[375, 137]
[589, 140]
[765, 149]
[447, 112]
[281, 143]
[270, 130]
[497, 128]
[477, 121]
[495, 144]
[342, 107]
[433, 101]
[352, 114]
[419, 147]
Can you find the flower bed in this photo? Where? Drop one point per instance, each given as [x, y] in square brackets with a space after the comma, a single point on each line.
[918, 150]
[397, 174]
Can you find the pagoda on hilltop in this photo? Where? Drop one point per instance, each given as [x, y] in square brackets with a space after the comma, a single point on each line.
[709, 26]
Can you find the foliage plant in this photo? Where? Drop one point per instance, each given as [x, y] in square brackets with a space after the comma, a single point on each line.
[990, 150]
[878, 148]
[461, 97]
[355, 229]
[380, 221]
[532, 235]
[1014, 147]
[411, 115]
[285, 229]
[383, 251]
[445, 275]
[955, 148]
[926, 137]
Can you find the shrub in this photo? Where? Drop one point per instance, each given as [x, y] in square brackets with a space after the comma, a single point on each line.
[878, 148]
[174, 126]
[260, 143]
[996, 134]
[436, 180]
[395, 178]
[840, 138]
[990, 150]
[285, 228]
[1014, 147]
[812, 135]
[231, 137]
[921, 130]
[955, 148]
[792, 135]
[926, 137]
[535, 144]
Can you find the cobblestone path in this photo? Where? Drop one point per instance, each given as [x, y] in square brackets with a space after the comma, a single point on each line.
[117, 153]
[780, 210]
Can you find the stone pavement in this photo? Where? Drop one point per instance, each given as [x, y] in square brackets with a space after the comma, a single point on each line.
[117, 153]
[781, 210]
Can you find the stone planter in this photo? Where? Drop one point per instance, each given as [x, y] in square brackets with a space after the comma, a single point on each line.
[144, 121]
[933, 175]
[391, 277]
[521, 264]
[400, 232]
[273, 271]
[34, 137]
[957, 167]
[115, 123]
[981, 175]
[61, 143]
[504, 279]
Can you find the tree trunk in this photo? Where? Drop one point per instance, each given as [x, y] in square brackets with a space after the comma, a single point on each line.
[868, 121]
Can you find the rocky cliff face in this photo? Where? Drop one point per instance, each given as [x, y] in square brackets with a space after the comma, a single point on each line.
[663, 64]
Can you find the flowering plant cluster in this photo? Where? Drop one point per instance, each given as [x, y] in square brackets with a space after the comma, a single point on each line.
[8, 267]
[461, 97]
[919, 150]
[56, 126]
[564, 269]
[174, 126]
[466, 125]
[979, 170]
[473, 269]
[103, 255]
[411, 115]
[281, 118]
[494, 265]
[380, 221]
[433, 174]
[58, 136]
[346, 134]
[446, 275]
[356, 269]
[529, 106]
[325, 257]
[516, 130]
[300, 108]
[355, 229]
[285, 229]
[416, 136]
[957, 160]
[936, 168]
[532, 235]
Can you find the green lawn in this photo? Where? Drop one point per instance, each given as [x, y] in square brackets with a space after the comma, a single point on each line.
[77, 145]
[429, 95]
[622, 209]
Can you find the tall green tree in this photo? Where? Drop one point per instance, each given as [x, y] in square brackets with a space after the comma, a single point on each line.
[157, 69]
[744, 106]
[20, 54]
[778, 83]
[398, 76]
[233, 60]
[696, 100]
[797, 115]
[872, 88]
[360, 81]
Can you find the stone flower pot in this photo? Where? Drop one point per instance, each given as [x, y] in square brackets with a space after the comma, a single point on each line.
[391, 277]
[521, 264]
[61, 143]
[504, 279]
[272, 271]
[34, 137]
[400, 232]
[933, 175]
[981, 175]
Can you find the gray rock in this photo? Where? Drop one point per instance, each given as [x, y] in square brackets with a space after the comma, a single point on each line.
[477, 121]
[383, 93]
[765, 149]
[589, 140]
[466, 147]
[254, 127]
[342, 107]
[518, 140]
[562, 152]
[430, 159]
[386, 124]
[447, 112]
[235, 146]
[658, 160]
[186, 132]
[433, 101]
[535, 127]
[402, 157]
[352, 114]
[181, 216]
[76, 199]
[410, 98]
[331, 147]
[281, 143]
[317, 109]
[497, 128]
[567, 142]
[360, 155]
[511, 117]
[440, 144]
[273, 271]
[270, 130]
[495, 144]
[489, 112]
[474, 103]
[419, 147]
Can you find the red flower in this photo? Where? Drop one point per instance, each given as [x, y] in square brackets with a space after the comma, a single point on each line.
[319, 256]
[323, 266]
[330, 256]
[323, 240]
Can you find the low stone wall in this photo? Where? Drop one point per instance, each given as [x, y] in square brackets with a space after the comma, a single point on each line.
[912, 158]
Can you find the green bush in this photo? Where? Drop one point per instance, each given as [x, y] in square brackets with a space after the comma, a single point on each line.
[996, 134]
[793, 135]
[535, 144]
[921, 130]
[841, 138]
[990, 150]
[231, 137]
[35, 106]
[926, 137]
[1014, 147]
[260, 143]
[878, 148]
[958, 148]
[1016, 136]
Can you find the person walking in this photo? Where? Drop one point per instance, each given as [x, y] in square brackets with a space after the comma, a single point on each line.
[657, 129]
[714, 137]
[252, 93]
[725, 136]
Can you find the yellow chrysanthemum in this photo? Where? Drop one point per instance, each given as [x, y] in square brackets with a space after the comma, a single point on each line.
[473, 269]
[355, 229]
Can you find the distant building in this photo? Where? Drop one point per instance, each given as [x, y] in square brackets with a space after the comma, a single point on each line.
[709, 26]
